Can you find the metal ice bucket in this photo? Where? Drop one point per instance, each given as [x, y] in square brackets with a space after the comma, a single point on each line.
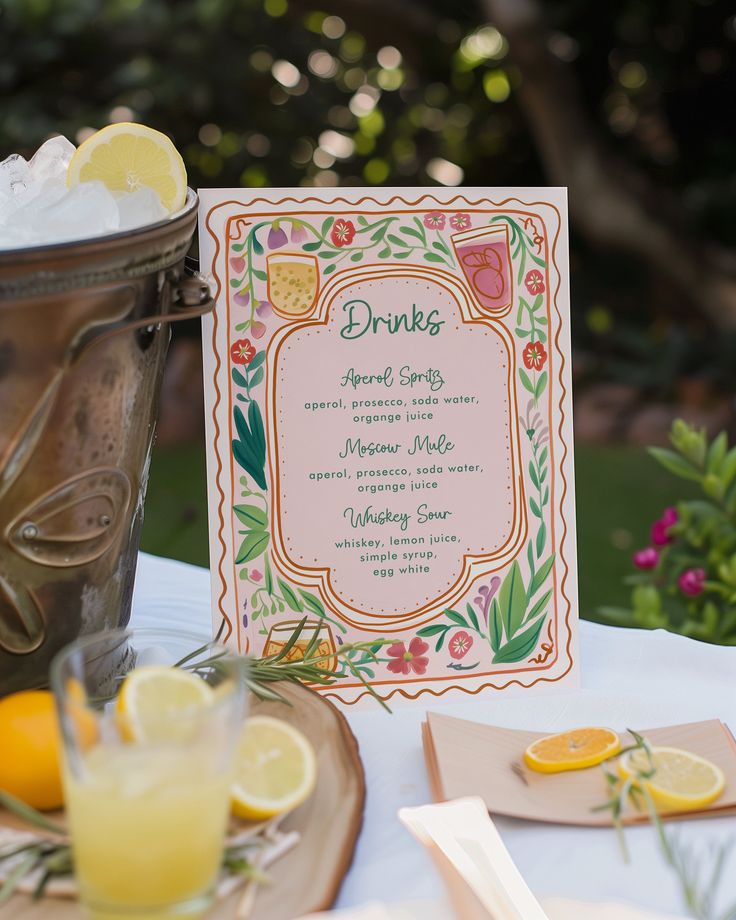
[83, 340]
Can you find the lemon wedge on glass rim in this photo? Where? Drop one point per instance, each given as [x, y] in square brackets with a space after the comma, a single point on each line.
[127, 156]
[682, 781]
[276, 769]
[156, 701]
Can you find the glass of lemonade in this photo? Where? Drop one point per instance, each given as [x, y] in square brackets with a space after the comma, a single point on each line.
[148, 768]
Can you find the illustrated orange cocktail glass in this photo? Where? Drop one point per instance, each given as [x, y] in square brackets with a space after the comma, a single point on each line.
[293, 281]
[325, 644]
[485, 259]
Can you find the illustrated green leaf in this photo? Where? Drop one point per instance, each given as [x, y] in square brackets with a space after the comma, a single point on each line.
[267, 576]
[379, 234]
[253, 546]
[435, 630]
[234, 282]
[327, 223]
[409, 231]
[512, 600]
[238, 247]
[313, 603]
[495, 626]
[542, 457]
[257, 248]
[258, 359]
[522, 333]
[538, 607]
[310, 247]
[533, 474]
[541, 538]
[540, 576]
[456, 617]
[521, 646]
[327, 254]
[676, 464]
[356, 256]
[528, 385]
[433, 257]
[257, 377]
[541, 384]
[290, 596]
[261, 275]
[535, 508]
[328, 269]
[384, 253]
[238, 378]
[252, 516]
[256, 427]
[402, 255]
[472, 616]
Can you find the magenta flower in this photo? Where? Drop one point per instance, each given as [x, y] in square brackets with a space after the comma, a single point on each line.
[660, 529]
[646, 558]
[434, 220]
[404, 660]
[276, 237]
[692, 582]
[459, 221]
[298, 232]
[264, 309]
[242, 298]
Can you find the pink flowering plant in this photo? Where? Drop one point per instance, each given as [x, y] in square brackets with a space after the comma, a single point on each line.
[685, 579]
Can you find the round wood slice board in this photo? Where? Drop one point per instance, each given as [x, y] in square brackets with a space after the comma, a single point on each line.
[307, 879]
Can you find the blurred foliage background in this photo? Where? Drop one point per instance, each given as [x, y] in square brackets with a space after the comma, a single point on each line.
[627, 102]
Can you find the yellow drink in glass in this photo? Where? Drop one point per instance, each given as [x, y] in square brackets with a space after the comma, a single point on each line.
[147, 801]
[293, 281]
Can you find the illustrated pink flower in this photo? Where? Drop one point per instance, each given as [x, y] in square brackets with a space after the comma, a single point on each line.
[460, 644]
[534, 281]
[434, 220]
[242, 298]
[342, 232]
[459, 221]
[691, 582]
[534, 355]
[242, 351]
[255, 575]
[405, 660]
[298, 232]
[257, 329]
[237, 263]
[276, 236]
[646, 558]
[660, 529]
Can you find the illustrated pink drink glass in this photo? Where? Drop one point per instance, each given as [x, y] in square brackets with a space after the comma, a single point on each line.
[485, 259]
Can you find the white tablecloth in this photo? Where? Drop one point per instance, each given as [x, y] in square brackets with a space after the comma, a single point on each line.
[631, 678]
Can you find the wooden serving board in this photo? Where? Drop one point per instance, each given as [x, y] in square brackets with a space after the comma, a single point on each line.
[307, 878]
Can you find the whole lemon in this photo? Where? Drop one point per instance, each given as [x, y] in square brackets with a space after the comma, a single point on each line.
[30, 749]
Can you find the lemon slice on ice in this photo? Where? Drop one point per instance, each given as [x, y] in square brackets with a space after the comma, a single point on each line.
[126, 157]
[276, 769]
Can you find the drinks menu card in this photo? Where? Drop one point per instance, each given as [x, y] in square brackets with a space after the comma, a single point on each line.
[389, 428]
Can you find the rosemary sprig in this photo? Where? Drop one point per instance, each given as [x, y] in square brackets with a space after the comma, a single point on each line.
[699, 890]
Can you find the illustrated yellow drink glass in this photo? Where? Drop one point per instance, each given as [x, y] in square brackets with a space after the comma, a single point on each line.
[147, 793]
[322, 647]
[293, 280]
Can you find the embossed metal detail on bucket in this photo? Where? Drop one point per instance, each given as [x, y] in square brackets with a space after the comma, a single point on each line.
[83, 340]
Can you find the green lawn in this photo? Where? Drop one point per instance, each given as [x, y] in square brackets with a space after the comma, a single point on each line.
[620, 490]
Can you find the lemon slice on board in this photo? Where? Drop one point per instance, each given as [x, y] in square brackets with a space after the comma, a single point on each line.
[155, 703]
[682, 781]
[276, 769]
[573, 750]
[127, 156]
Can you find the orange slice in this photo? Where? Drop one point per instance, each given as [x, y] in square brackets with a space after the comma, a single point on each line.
[573, 750]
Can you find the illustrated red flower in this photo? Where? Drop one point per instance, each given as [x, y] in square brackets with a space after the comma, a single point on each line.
[405, 660]
[460, 644]
[459, 221]
[242, 351]
[342, 232]
[534, 355]
[534, 281]
[434, 220]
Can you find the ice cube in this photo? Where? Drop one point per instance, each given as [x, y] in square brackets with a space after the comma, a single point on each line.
[51, 159]
[143, 206]
[15, 175]
[86, 210]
